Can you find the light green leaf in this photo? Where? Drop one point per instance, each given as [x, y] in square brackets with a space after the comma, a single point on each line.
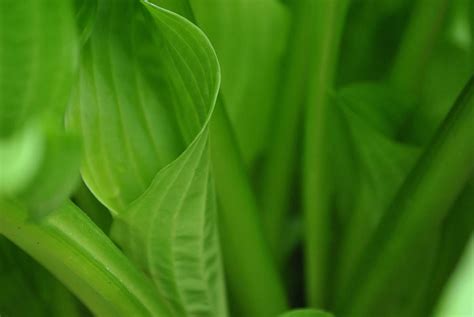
[458, 298]
[148, 85]
[57, 175]
[249, 37]
[16, 153]
[86, 11]
[41, 167]
[181, 7]
[37, 59]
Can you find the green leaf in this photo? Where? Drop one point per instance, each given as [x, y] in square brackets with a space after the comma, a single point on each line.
[370, 163]
[57, 176]
[181, 7]
[42, 167]
[249, 38]
[86, 11]
[306, 312]
[148, 85]
[419, 207]
[37, 60]
[22, 152]
[87, 202]
[38, 45]
[240, 231]
[438, 94]
[371, 38]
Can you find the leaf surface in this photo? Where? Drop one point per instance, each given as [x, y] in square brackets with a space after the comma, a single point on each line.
[249, 37]
[148, 86]
[37, 59]
[371, 162]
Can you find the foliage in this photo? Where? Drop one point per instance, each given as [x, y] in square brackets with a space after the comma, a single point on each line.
[235, 157]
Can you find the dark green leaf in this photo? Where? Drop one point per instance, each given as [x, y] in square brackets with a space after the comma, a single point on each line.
[369, 175]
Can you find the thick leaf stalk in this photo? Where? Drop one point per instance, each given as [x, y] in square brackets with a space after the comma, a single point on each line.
[417, 45]
[281, 158]
[329, 17]
[82, 257]
[253, 279]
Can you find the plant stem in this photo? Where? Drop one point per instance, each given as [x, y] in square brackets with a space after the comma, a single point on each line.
[279, 168]
[82, 257]
[425, 199]
[329, 17]
[251, 272]
[417, 44]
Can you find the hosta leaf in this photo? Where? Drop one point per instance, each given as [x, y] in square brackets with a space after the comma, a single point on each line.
[148, 85]
[370, 172]
[16, 152]
[403, 240]
[57, 176]
[37, 59]
[371, 38]
[181, 7]
[437, 94]
[41, 167]
[172, 230]
[85, 18]
[249, 37]
[376, 165]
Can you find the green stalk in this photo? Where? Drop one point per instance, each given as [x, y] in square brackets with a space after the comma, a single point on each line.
[82, 257]
[252, 276]
[471, 20]
[423, 202]
[328, 21]
[280, 163]
[417, 44]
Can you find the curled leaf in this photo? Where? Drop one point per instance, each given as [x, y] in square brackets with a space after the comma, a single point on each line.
[148, 85]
